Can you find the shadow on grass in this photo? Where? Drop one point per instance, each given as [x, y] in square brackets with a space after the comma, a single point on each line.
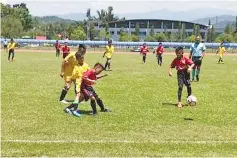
[84, 112]
[188, 119]
[171, 104]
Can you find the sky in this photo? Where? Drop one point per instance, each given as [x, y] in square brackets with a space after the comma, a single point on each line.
[56, 7]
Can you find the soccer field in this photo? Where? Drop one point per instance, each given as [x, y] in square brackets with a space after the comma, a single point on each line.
[143, 122]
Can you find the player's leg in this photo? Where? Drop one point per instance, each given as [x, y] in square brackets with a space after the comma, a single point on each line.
[188, 83]
[93, 105]
[65, 90]
[13, 54]
[9, 54]
[106, 63]
[144, 58]
[160, 59]
[109, 61]
[199, 63]
[180, 76]
[100, 103]
[221, 57]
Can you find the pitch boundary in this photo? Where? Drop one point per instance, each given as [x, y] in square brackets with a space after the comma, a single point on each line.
[123, 141]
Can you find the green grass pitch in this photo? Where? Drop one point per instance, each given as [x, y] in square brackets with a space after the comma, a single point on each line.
[144, 121]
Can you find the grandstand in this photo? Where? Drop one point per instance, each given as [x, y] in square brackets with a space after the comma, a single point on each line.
[159, 25]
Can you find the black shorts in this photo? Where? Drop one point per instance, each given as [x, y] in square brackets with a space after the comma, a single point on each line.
[197, 61]
[5, 46]
[183, 78]
[87, 91]
[11, 51]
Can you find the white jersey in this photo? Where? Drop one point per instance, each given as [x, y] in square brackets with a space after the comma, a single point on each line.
[5, 42]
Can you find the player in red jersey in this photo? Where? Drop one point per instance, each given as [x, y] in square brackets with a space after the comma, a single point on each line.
[159, 52]
[143, 52]
[57, 47]
[183, 66]
[65, 50]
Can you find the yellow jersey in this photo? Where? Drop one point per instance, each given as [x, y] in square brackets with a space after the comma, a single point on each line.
[221, 50]
[109, 51]
[78, 72]
[11, 45]
[70, 62]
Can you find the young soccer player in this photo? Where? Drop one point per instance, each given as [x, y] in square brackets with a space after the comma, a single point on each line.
[5, 45]
[159, 52]
[65, 50]
[143, 52]
[197, 52]
[221, 50]
[184, 67]
[57, 47]
[109, 50]
[11, 49]
[77, 78]
[87, 92]
[67, 67]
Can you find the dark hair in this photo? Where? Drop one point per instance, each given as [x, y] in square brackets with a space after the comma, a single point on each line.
[79, 54]
[179, 48]
[160, 43]
[82, 46]
[99, 64]
[109, 41]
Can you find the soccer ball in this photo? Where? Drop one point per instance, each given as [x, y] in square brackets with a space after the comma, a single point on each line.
[192, 100]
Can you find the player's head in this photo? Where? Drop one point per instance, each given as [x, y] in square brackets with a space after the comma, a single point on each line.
[109, 42]
[98, 68]
[179, 52]
[79, 57]
[65, 43]
[197, 39]
[11, 40]
[221, 44]
[160, 44]
[82, 48]
[56, 41]
[144, 44]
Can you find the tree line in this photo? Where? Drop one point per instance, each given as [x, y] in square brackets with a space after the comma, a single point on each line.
[18, 22]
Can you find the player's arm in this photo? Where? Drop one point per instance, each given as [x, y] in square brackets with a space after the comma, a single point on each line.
[203, 51]
[172, 65]
[191, 52]
[190, 65]
[105, 52]
[62, 68]
[99, 77]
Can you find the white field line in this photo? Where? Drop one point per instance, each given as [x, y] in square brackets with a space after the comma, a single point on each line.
[124, 141]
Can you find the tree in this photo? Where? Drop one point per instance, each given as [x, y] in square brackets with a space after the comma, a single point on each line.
[78, 34]
[228, 29]
[198, 30]
[11, 27]
[191, 38]
[103, 35]
[150, 38]
[160, 37]
[209, 32]
[152, 31]
[137, 30]
[123, 35]
[224, 38]
[184, 35]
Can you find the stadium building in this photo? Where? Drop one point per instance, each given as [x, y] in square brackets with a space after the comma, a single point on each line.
[159, 25]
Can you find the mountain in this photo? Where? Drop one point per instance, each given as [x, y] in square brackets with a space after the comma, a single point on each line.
[217, 21]
[187, 15]
[72, 16]
[54, 19]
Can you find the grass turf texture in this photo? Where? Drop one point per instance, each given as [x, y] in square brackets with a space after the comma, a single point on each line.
[144, 121]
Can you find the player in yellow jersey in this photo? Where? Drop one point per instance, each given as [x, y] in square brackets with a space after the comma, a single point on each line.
[77, 78]
[109, 51]
[221, 50]
[11, 49]
[67, 67]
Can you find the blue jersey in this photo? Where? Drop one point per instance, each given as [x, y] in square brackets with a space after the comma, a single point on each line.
[197, 49]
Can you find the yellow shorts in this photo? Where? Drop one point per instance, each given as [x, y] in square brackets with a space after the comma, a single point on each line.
[77, 87]
[221, 55]
[67, 78]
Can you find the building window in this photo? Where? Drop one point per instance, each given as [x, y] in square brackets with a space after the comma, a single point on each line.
[112, 32]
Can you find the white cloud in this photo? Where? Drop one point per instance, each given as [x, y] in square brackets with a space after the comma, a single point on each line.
[54, 7]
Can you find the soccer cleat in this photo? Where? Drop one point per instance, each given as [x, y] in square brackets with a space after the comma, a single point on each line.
[67, 110]
[106, 110]
[197, 78]
[222, 62]
[76, 113]
[64, 101]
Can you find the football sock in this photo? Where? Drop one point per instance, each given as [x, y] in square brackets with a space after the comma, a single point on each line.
[193, 73]
[180, 89]
[63, 93]
[93, 106]
[198, 72]
[189, 90]
[100, 103]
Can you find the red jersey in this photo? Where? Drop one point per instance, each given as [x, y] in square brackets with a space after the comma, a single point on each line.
[160, 50]
[181, 64]
[90, 75]
[58, 45]
[65, 49]
[144, 49]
